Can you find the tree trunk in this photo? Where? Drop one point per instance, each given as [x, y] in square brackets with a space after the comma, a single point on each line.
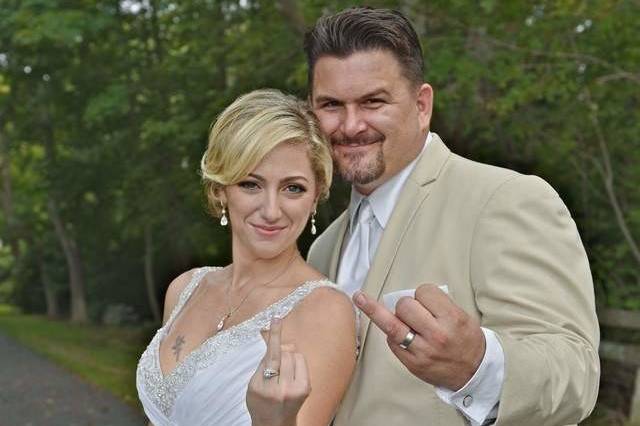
[155, 31]
[606, 171]
[74, 263]
[148, 274]
[67, 242]
[49, 290]
[292, 13]
[7, 195]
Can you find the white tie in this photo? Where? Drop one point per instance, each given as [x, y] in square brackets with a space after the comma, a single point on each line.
[356, 258]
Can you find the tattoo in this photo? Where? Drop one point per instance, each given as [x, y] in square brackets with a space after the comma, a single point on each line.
[177, 347]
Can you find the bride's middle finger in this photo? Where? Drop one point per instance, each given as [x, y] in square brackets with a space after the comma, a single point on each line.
[272, 358]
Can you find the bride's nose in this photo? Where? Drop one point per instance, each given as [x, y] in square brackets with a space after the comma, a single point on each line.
[270, 209]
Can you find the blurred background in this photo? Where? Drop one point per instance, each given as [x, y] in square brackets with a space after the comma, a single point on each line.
[105, 107]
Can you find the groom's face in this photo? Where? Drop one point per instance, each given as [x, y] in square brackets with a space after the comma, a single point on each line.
[375, 118]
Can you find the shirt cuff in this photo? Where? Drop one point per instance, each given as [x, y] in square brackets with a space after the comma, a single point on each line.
[478, 399]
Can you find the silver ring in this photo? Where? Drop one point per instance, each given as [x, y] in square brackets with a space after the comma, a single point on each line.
[268, 373]
[408, 339]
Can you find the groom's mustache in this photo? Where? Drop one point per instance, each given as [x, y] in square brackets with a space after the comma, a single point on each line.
[359, 140]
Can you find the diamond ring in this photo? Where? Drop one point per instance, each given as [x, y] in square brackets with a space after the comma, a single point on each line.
[268, 373]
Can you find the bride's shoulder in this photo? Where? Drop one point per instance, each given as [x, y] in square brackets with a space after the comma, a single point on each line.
[326, 303]
[316, 320]
[180, 283]
[324, 294]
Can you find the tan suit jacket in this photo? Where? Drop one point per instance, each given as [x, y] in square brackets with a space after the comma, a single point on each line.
[509, 251]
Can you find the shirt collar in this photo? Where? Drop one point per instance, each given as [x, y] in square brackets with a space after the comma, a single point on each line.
[383, 199]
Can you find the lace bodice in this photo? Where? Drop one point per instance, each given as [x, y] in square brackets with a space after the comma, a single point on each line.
[240, 345]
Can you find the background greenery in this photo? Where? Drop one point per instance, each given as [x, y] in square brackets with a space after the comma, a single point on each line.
[105, 107]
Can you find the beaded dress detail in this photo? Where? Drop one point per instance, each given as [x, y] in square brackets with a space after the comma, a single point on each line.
[209, 386]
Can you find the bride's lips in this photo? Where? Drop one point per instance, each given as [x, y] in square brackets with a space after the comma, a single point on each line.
[267, 230]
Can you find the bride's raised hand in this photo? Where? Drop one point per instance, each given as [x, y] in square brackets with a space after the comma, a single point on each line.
[280, 385]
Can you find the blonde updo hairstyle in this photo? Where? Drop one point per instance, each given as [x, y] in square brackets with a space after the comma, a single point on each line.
[248, 129]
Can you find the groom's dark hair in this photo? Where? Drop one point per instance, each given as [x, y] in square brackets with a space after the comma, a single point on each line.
[361, 29]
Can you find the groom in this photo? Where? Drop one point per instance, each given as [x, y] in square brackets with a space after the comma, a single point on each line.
[476, 288]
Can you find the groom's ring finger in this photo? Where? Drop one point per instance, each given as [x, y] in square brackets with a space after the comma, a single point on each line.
[408, 339]
[395, 329]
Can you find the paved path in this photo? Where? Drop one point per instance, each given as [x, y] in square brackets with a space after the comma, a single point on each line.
[35, 392]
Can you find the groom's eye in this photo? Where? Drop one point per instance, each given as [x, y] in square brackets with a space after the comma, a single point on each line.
[330, 104]
[374, 102]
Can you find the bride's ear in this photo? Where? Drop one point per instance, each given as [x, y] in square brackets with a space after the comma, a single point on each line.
[221, 195]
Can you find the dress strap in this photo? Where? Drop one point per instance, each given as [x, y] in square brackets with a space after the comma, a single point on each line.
[284, 306]
[188, 290]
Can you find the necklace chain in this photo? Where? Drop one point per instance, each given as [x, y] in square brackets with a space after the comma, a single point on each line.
[231, 310]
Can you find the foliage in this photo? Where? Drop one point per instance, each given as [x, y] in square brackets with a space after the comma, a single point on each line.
[105, 106]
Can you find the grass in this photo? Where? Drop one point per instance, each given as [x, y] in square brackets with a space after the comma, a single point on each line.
[104, 356]
[107, 356]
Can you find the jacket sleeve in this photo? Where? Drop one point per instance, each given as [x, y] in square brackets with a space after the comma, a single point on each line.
[534, 289]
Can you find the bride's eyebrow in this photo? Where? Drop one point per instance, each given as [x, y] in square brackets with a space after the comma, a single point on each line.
[294, 178]
[284, 180]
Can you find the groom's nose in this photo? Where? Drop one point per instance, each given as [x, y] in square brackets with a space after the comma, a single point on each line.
[352, 121]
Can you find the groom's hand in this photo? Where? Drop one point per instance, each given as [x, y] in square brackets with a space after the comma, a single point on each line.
[448, 345]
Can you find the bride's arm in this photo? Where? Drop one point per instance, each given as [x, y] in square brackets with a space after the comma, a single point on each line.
[315, 362]
[324, 332]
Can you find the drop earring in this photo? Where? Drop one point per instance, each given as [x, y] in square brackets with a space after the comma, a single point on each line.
[223, 219]
[313, 223]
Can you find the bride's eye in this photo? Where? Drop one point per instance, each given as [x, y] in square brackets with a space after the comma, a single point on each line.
[249, 185]
[295, 189]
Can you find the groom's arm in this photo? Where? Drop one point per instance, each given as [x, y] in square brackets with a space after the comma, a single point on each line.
[449, 349]
[478, 400]
[534, 290]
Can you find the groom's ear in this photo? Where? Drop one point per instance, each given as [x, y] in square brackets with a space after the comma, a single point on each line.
[424, 104]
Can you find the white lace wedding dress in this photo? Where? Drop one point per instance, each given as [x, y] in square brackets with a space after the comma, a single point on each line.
[209, 386]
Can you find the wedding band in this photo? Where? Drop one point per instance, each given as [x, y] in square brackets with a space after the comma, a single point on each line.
[268, 373]
[407, 339]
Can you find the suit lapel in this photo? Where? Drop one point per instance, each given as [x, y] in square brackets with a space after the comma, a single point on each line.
[343, 222]
[412, 197]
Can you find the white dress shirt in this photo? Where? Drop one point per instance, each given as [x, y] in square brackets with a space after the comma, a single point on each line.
[478, 399]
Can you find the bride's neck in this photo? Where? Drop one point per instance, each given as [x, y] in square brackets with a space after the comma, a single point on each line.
[251, 271]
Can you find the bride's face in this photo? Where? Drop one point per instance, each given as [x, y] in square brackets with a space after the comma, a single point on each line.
[270, 208]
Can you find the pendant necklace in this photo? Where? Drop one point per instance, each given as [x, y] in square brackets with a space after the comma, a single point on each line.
[232, 311]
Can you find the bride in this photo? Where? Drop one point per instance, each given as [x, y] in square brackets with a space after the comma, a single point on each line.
[266, 340]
